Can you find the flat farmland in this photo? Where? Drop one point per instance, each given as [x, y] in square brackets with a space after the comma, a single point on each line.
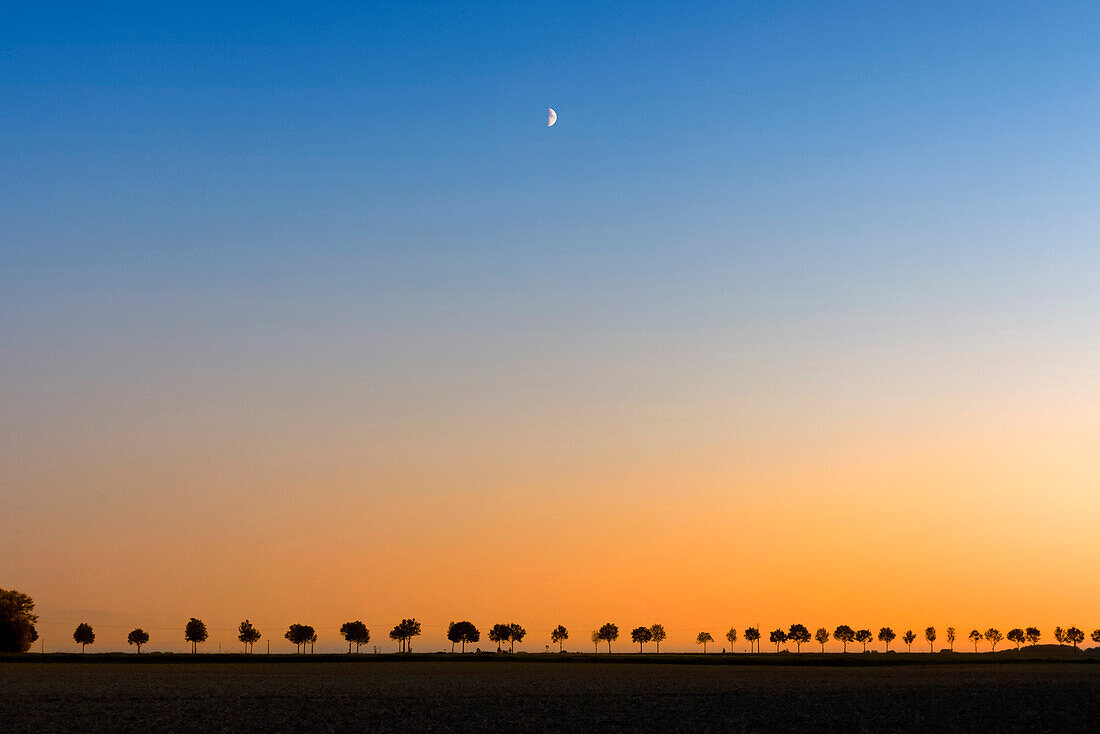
[426, 695]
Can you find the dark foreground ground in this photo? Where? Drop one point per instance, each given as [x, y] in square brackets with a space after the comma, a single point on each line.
[535, 696]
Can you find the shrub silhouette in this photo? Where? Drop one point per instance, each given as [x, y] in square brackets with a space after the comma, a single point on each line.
[752, 635]
[798, 634]
[17, 619]
[822, 636]
[887, 636]
[641, 635]
[930, 635]
[248, 634]
[137, 637]
[194, 632]
[609, 633]
[702, 639]
[865, 637]
[845, 634]
[559, 635]
[356, 633]
[778, 637]
[84, 635]
[659, 634]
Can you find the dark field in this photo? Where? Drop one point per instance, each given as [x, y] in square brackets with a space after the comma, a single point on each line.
[542, 696]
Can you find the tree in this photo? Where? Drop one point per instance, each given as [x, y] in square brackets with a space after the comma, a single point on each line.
[559, 635]
[975, 637]
[994, 636]
[1033, 635]
[930, 635]
[864, 636]
[609, 633]
[798, 634]
[1095, 636]
[311, 638]
[248, 634]
[951, 638]
[641, 635]
[1060, 635]
[659, 634]
[702, 639]
[778, 637]
[500, 634]
[194, 632]
[596, 639]
[908, 638]
[403, 632]
[1016, 635]
[822, 636]
[1075, 637]
[731, 636]
[752, 635]
[356, 633]
[298, 635]
[84, 635]
[461, 633]
[17, 619]
[518, 633]
[887, 636]
[137, 637]
[845, 634]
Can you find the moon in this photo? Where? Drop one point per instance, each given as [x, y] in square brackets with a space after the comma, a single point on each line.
[553, 117]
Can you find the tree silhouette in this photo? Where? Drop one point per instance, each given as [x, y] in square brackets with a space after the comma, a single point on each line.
[84, 635]
[975, 637]
[1060, 635]
[659, 634]
[500, 634]
[298, 635]
[822, 636]
[752, 635]
[702, 639]
[311, 638]
[1016, 635]
[137, 637]
[798, 634]
[951, 638]
[403, 632]
[641, 635]
[778, 637]
[865, 637]
[886, 635]
[248, 634]
[994, 636]
[930, 635]
[194, 632]
[609, 633]
[356, 633]
[908, 638]
[17, 619]
[1033, 635]
[518, 633]
[559, 635]
[1095, 636]
[845, 634]
[1075, 637]
[461, 633]
[596, 639]
[731, 636]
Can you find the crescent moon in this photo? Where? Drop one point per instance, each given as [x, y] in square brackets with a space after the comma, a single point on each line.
[553, 117]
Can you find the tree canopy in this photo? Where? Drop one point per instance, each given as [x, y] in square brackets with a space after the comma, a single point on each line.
[608, 633]
[17, 620]
[461, 633]
[248, 634]
[194, 632]
[798, 634]
[355, 633]
[641, 635]
[404, 631]
[886, 636]
[845, 634]
[84, 635]
[659, 634]
[702, 639]
[559, 635]
[137, 637]
[864, 637]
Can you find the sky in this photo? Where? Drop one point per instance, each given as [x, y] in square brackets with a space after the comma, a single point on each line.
[306, 316]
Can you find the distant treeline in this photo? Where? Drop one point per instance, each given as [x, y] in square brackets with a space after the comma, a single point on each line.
[18, 633]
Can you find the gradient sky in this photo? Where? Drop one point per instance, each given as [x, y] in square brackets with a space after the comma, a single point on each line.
[306, 316]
